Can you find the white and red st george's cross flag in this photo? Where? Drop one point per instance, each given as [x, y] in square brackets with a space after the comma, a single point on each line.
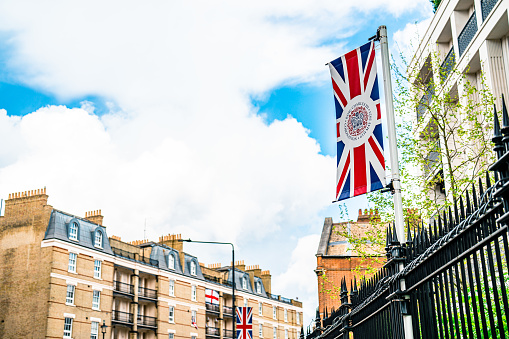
[211, 296]
[360, 155]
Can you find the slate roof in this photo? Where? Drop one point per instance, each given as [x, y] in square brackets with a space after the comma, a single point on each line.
[58, 226]
[324, 238]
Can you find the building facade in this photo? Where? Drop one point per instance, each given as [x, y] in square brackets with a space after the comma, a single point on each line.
[337, 259]
[62, 277]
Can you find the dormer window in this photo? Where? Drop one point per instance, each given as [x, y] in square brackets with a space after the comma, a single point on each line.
[244, 283]
[73, 231]
[171, 261]
[193, 268]
[259, 287]
[98, 242]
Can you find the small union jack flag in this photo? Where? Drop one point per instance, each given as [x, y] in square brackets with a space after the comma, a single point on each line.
[244, 324]
[360, 157]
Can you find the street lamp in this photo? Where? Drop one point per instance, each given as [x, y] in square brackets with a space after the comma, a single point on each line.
[233, 272]
[103, 328]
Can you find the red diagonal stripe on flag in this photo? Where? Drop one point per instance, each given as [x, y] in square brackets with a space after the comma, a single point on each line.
[368, 69]
[352, 64]
[337, 129]
[338, 93]
[378, 113]
[359, 167]
[343, 175]
[378, 154]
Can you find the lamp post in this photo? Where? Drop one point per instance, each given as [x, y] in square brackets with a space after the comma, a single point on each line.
[233, 272]
[103, 328]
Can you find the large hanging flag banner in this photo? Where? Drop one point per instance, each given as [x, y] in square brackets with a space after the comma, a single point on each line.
[244, 322]
[211, 296]
[360, 157]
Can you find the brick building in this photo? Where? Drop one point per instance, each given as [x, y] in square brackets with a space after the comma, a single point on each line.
[337, 259]
[61, 276]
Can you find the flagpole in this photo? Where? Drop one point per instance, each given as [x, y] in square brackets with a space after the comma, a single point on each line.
[393, 151]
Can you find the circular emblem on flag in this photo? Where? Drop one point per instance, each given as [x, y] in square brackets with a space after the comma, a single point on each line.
[358, 121]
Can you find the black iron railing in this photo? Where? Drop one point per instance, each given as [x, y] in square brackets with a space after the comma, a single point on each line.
[486, 7]
[455, 271]
[213, 331]
[212, 308]
[228, 311]
[135, 256]
[123, 317]
[147, 292]
[227, 333]
[448, 64]
[145, 320]
[119, 286]
[467, 34]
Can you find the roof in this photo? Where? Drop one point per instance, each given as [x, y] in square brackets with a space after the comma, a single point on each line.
[324, 238]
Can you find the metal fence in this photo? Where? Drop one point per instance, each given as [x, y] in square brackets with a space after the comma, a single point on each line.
[454, 281]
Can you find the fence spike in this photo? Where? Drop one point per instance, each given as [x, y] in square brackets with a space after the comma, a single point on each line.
[450, 223]
[488, 180]
[440, 228]
[394, 234]
[462, 209]
[474, 196]
[481, 191]
[456, 214]
[435, 230]
[496, 123]
[409, 233]
[505, 117]
[469, 208]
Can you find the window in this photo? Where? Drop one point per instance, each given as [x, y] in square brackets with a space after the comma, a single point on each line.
[260, 309]
[274, 312]
[69, 300]
[193, 268]
[67, 327]
[96, 300]
[171, 336]
[72, 262]
[94, 331]
[97, 269]
[259, 287]
[171, 261]
[194, 319]
[275, 332]
[286, 333]
[244, 283]
[73, 231]
[286, 314]
[260, 330]
[98, 239]
[298, 318]
[193, 337]
[193, 293]
[171, 291]
[171, 316]
[245, 302]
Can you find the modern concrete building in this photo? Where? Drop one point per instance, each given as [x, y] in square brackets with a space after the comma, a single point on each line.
[62, 277]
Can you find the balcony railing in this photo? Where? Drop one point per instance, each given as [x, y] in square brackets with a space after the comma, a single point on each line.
[211, 307]
[123, 287]
[486, 7]
[448, 64]
[123, 317]
[144, 320]
[228, 311]
[212, 331]
[135, 256]
[467, 34]
[227, 333]
[147, 293]
[425, 100]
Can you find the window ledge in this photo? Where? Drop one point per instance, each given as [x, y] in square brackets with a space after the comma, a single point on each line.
[70, 305]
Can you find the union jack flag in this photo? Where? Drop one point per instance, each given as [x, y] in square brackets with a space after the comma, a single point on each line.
[360, 157]
[244, 323]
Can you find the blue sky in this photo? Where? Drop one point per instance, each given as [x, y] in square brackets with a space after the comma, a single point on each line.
[147, 114]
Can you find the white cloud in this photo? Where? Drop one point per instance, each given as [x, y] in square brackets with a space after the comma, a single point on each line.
[182, 146]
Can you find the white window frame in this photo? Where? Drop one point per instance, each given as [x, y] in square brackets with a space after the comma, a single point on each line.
[194, 315]
[73, 260]
[171, 261]
[244, 283]
[171, 314]
[260, 330]
[96, 300]
[171, 288]
[98, 240]
[73, 231]
[97, 269]
[286, 333]
[274, 312]
[259, 287]
[298, 318]
[245, 302]
[193, 293]
[275, 332]
[286, 315]
[193, 268]
[69, 297]
[94, 330]
[171, 335]
[260, 308]
[68, 327]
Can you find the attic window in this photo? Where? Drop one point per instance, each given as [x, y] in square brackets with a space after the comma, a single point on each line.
[193, 268]
[73, 231]
[98, 241]
[259, 287]
[171, 261]
[244, 283]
